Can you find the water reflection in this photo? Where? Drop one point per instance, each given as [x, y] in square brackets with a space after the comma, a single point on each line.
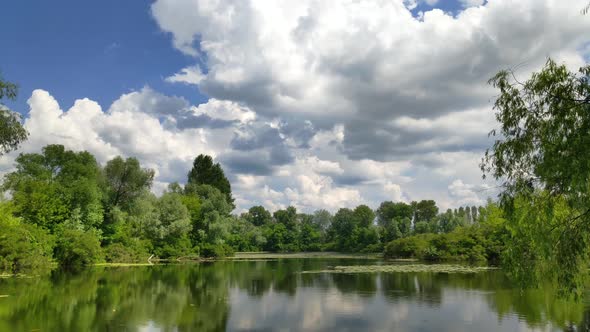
[273, 295]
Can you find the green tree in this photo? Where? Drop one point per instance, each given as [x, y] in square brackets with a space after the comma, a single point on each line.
[48, 188]
[23, 247]
[448, 221]
[364, 216]
[425, 210]
[12, 133]
[288, 218]
[323, 220]
[343, 229]
[126, 180]
[174, 226]
[213, 224]
[76, 248]
[204, 171]
[258, 216]
[541, 151]
[389, 210]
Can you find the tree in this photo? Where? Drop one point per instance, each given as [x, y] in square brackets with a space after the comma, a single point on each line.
[542, 151]
[473, 214]
[12, 133]
[213, 223]
[449, 220]
[174, 226]
[77, 248]
[49, 188]
[389, 210]
[258, 216]
[288, 218]
[343, 229]
[425, 210]
[204, 171]
[364, 216]
[322, 219]
[126, 180]
[23, 247]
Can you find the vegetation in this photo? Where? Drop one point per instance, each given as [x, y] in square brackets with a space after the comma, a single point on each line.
[542, 159]
[405, 268]
[65, 206]
[12, 133]
[69, 208]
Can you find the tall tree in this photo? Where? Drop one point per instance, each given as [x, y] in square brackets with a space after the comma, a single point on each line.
[258, 216]
[323, 219]
[542, 151]
[126, 180]
[12, 133]
[425, 210]
[204, 171]
[389, 210]
[364, 216]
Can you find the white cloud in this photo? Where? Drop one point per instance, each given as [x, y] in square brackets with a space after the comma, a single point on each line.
[471, 3]
[325, 104]
[189, 75]
[368, 64]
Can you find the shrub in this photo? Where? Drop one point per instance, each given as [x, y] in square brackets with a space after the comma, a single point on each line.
[76, 248]
[132, 252]
[372, 248]
[24, 247]
[431, 254]
[409, 247]
[216, 250]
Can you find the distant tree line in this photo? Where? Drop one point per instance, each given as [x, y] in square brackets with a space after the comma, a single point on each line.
[65, 206]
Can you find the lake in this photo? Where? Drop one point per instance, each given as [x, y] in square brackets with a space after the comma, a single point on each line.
[273, 295]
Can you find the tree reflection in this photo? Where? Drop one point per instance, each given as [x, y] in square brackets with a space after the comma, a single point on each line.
[197, 297]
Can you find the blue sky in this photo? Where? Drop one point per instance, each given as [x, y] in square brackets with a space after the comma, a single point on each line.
[93, 49]
[315, 104]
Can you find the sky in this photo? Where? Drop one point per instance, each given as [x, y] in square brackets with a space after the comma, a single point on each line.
[314, 104]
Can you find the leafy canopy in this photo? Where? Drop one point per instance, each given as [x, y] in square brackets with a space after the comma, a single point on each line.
[12, 133]
[541, 156]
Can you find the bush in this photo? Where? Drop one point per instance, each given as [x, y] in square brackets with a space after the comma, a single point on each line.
[24, 247]
[216, 250]
[431, 254]
[409, 247]
[372, 248]
[175, 247]
[76, 248]
[463, 243]
[133, 252]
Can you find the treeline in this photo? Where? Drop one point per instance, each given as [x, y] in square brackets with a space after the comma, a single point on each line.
[65, 206]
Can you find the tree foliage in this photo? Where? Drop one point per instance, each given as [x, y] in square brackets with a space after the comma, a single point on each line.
[541, 156]
[12, 133]
[204, 171]
[126, 180]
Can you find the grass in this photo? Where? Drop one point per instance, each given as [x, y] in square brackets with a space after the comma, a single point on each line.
[271, 255]
[406, 268]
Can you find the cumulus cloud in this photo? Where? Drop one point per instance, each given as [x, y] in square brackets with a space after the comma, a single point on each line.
[368, 64]
[325, 104]
[189, 75]
[467, 194]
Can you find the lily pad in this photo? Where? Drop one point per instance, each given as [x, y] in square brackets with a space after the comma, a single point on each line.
[406, 268]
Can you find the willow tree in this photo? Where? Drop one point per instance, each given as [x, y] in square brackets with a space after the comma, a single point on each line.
[12, 133]
[541, 156]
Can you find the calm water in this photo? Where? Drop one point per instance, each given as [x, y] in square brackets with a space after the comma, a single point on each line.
[273, 296]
